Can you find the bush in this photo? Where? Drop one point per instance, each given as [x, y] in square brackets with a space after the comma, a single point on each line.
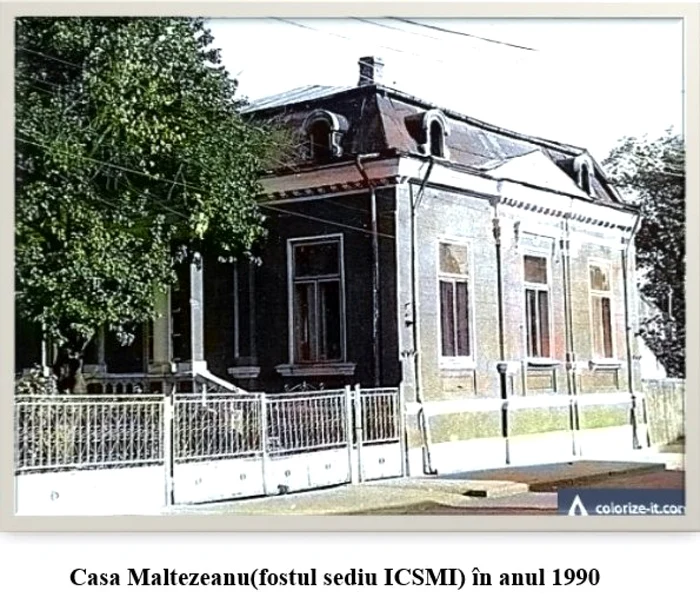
[36, 381]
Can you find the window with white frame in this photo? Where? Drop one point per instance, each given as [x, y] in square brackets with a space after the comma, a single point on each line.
[317, 305]
[455, 316]
[537, 306]
[601, 310]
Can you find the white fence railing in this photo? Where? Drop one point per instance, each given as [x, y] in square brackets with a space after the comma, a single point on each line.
[237, 444]
[307, 421]
[70, 433]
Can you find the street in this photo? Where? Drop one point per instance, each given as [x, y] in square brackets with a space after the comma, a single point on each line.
[664, 479]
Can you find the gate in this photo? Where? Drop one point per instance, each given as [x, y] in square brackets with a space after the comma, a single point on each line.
[230, 446]
[216, 445]
[379, 442]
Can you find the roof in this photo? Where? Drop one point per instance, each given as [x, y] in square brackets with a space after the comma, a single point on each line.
[379, 117]
[537, 169]
[297, 95]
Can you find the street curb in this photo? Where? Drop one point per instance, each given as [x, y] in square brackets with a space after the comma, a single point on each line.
[553, 485]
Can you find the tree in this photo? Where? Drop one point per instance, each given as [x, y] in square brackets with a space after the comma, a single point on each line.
[131, 156]
[652, 172]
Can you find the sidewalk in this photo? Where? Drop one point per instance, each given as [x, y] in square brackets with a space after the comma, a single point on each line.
[529, 489]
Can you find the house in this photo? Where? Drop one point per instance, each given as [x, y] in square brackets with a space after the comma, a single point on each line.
[410, 244]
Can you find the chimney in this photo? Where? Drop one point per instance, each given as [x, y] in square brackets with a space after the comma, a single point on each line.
[370, 71]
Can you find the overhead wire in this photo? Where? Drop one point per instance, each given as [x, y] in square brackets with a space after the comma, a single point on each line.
[260, 204]
[378, 23]
[462, 33]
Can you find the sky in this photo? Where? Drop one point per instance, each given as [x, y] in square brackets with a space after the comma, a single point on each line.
[586, 82]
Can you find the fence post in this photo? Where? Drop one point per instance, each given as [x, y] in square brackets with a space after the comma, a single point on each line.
[349, 433]
[168, 452]
[264, 438]
[502, 368]
[400, 418]
[573, 408]
[359, 435]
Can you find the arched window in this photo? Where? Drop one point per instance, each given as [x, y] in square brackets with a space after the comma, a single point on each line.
[324, 131]
[430, 130]
[583, 168]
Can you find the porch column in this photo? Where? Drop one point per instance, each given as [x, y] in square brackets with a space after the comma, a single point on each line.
[197, 313]
[162, 328]
[251, 306]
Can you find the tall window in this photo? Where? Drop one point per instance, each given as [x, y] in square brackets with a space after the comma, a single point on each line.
[537, 307]
[601, 311]
[317, 300]
[455, 329]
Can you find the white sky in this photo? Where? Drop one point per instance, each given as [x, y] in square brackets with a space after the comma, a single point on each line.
[590, 82]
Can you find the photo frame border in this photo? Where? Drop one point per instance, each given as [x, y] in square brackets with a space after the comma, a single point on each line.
[688, 12]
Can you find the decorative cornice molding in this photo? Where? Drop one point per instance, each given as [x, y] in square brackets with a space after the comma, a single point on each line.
[330, 189]
[395, 171]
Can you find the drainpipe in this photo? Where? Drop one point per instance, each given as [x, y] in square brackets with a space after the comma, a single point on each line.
[499, 281]
[375, 268]
[502, 366]
[568, 315]
[628, 338]
[422, 420]
[570, 360]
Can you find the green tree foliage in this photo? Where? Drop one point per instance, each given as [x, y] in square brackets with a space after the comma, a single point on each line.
[653, 173]
[131, 155]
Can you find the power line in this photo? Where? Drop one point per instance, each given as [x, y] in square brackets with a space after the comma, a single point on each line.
[401, 29]
[344, 37]
[326, 221]
[463, 34]
[174, 182]
[25, 49]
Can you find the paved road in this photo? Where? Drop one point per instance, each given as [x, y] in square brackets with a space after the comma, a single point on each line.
[656, 479]
[664, 479]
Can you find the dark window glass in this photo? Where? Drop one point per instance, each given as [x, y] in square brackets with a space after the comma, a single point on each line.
[437, 140]
[535, 269]
[316, 259]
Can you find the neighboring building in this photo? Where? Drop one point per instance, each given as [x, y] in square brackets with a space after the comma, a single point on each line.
[412, 244]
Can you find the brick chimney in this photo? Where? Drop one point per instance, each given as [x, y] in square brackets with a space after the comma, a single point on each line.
[370, 70]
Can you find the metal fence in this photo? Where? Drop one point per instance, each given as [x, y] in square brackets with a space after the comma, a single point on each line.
[306, 421]
[216, 427]
[179, 431]
[380, 415]
[68, 433]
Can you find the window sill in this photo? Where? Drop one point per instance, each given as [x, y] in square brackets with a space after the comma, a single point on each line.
[457, 364]
[456, 367]
[244, 372]
[542, 363]
[604, 364]
[330, 369]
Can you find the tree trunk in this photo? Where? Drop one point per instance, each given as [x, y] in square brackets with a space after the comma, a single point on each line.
[68, 370]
